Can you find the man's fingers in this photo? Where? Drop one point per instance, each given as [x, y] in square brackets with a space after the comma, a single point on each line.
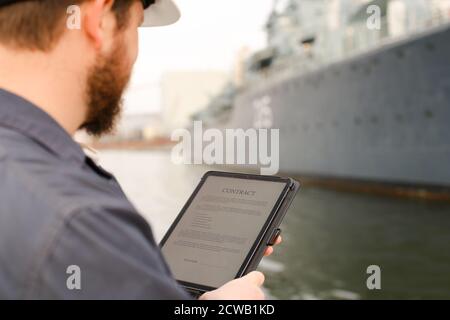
[279, 240]
[255, 277]
[268, 252]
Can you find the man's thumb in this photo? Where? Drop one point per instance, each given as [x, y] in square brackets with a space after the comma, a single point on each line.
[255, 277]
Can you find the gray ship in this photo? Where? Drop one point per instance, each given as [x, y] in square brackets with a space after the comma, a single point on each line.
[360, 90]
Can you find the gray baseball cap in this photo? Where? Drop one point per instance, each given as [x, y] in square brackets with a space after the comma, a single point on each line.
[157, 12]
[160, 13]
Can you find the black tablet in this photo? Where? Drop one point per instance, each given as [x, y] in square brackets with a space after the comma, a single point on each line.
[225, 227]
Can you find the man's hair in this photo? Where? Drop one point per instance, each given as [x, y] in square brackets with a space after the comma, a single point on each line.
[38, 25]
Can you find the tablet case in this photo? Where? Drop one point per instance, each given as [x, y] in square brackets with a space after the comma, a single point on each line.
[270, 234]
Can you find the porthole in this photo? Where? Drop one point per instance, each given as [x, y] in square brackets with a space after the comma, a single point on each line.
[400, 54]
[430, 46]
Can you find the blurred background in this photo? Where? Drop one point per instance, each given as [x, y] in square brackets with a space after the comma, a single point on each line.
[360, 91]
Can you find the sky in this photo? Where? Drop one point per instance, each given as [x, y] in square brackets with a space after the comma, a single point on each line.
[208, 37]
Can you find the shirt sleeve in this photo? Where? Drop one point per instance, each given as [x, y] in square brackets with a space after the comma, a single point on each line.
[104, 253]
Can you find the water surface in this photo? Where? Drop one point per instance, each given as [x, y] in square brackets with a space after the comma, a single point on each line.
[330, 238]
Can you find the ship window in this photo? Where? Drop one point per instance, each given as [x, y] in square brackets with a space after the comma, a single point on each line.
[430, 46]
[308, 41]
[400, 54]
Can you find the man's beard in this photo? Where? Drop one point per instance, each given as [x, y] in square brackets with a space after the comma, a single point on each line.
[106, 83]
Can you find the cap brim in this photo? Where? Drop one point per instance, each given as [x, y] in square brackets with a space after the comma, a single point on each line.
[161, 13]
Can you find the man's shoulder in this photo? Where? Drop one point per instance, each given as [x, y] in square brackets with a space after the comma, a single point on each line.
[46, 229]
[114, 255]
[37, 185]
[17, 149]
[13, 142]
[46, 201]
[30, 170]
[106, 243]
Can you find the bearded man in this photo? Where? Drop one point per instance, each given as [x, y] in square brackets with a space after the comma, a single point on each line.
[60, 212]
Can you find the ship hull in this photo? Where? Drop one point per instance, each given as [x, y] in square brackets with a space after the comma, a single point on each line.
[380, 116]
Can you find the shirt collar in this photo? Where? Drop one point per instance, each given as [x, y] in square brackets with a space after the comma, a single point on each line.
[21, 115]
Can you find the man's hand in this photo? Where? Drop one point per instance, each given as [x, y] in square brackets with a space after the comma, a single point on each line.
[269, 250]
[245, 288]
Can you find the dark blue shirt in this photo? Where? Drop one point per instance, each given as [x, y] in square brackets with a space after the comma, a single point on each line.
[67, 231]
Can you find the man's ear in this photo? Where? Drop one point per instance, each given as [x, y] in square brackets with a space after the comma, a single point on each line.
[97, 20]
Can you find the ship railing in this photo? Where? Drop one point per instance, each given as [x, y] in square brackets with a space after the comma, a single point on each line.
[362, 39]
[349, 47]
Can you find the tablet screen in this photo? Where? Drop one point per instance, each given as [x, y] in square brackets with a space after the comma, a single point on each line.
[218, 229]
